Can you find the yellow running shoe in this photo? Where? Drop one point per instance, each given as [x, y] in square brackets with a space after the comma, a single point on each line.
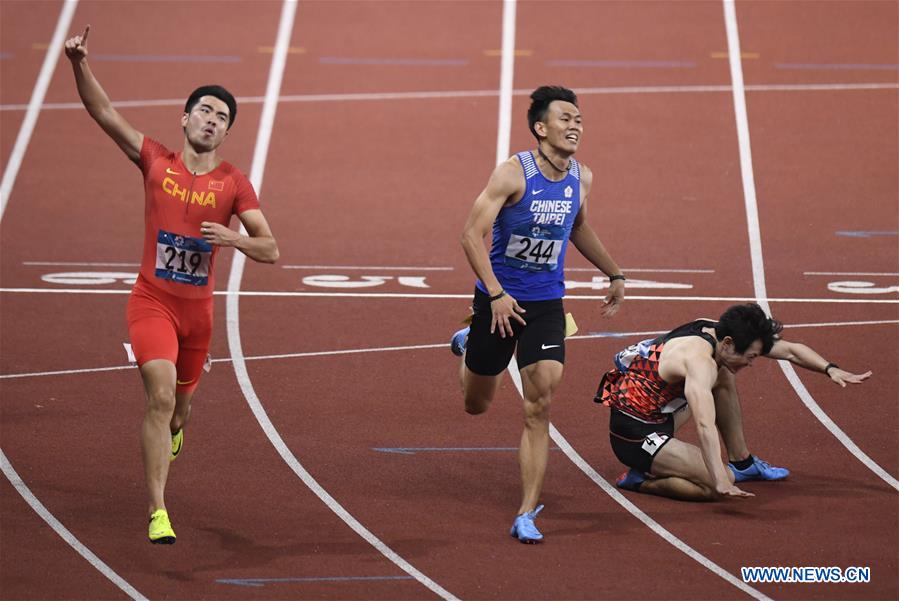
[161, 532]
[177, 442]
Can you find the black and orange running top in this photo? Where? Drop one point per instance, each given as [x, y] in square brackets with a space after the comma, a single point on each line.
[635, 387]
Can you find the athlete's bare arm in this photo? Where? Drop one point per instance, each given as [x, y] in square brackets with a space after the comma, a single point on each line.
[692, 361]
[584, 238]
[97, 102]
[506, 185]
[259, 244]
[805, 357]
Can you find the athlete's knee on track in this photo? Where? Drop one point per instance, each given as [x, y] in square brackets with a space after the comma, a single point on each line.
[705, 493]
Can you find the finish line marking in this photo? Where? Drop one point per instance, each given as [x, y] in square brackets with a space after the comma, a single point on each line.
[415, 347]
[467, 296]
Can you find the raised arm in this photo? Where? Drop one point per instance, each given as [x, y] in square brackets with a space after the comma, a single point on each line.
[588, 244]
[805, 357]
[97, 102]
[506, 182]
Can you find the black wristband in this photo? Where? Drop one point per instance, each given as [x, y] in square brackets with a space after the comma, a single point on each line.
[828, 366]
[619, 276]
[501, 294]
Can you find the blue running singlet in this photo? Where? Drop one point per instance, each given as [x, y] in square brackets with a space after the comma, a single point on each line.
[530, 237]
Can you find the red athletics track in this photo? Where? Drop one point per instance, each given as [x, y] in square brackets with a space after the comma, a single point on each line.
[388, 183]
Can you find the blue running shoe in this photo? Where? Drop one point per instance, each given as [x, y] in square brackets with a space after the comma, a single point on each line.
[631, 480]
[759, 470]
[524, 529]
[459, 340]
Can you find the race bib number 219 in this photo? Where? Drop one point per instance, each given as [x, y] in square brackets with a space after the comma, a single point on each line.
[182, 259]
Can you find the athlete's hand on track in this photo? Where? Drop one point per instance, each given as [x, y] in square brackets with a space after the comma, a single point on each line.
[76, 47]
[732, 491]
[503, 309]
[843, 377]
[612, 302]
[218, 234]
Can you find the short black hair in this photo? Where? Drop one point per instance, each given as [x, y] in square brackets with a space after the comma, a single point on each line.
[218, 92]
[541, 99]
[747, 323]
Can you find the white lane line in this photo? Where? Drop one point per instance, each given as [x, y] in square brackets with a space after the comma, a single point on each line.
[413, 347]
[638, 513]
[277, 294]
[34, 105]
[381, 267]
[424, 95]
[6, 186]
[645, 270]
[368, 267]
[755, 242]
[635, 511]
[78, 264]
[506, 74]
[868, 273]
[63, 532]
[279, 60]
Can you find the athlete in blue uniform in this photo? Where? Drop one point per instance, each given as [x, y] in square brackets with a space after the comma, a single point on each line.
[535, 202]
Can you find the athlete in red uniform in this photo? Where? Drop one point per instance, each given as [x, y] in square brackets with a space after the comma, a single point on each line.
[190, 198]
[657, 384]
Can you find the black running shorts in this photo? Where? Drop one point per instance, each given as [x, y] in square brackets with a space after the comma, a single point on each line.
[543, 338]
[636, 443]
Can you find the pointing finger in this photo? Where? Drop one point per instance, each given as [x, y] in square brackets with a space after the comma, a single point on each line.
[87, 30]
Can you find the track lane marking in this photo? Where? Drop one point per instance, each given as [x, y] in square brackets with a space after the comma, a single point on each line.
[368, 267]
[6, 186]
[260, 153]
[868, 273]
[631, 508]
[506, 75]
[63, 532]
[413, 347]
[437, 94]
[406, 295]
[755, 241]
[37, 100]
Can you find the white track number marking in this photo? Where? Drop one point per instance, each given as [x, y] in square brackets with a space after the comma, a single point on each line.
[365, 281]
[853, 287]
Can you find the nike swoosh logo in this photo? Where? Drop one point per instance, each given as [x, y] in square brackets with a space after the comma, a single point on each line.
[533, 192]
[171, 172]
[549, 346]
[180, 383]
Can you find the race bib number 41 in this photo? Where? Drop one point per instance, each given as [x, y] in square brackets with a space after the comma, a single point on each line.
[182, 259]
[537, 251]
